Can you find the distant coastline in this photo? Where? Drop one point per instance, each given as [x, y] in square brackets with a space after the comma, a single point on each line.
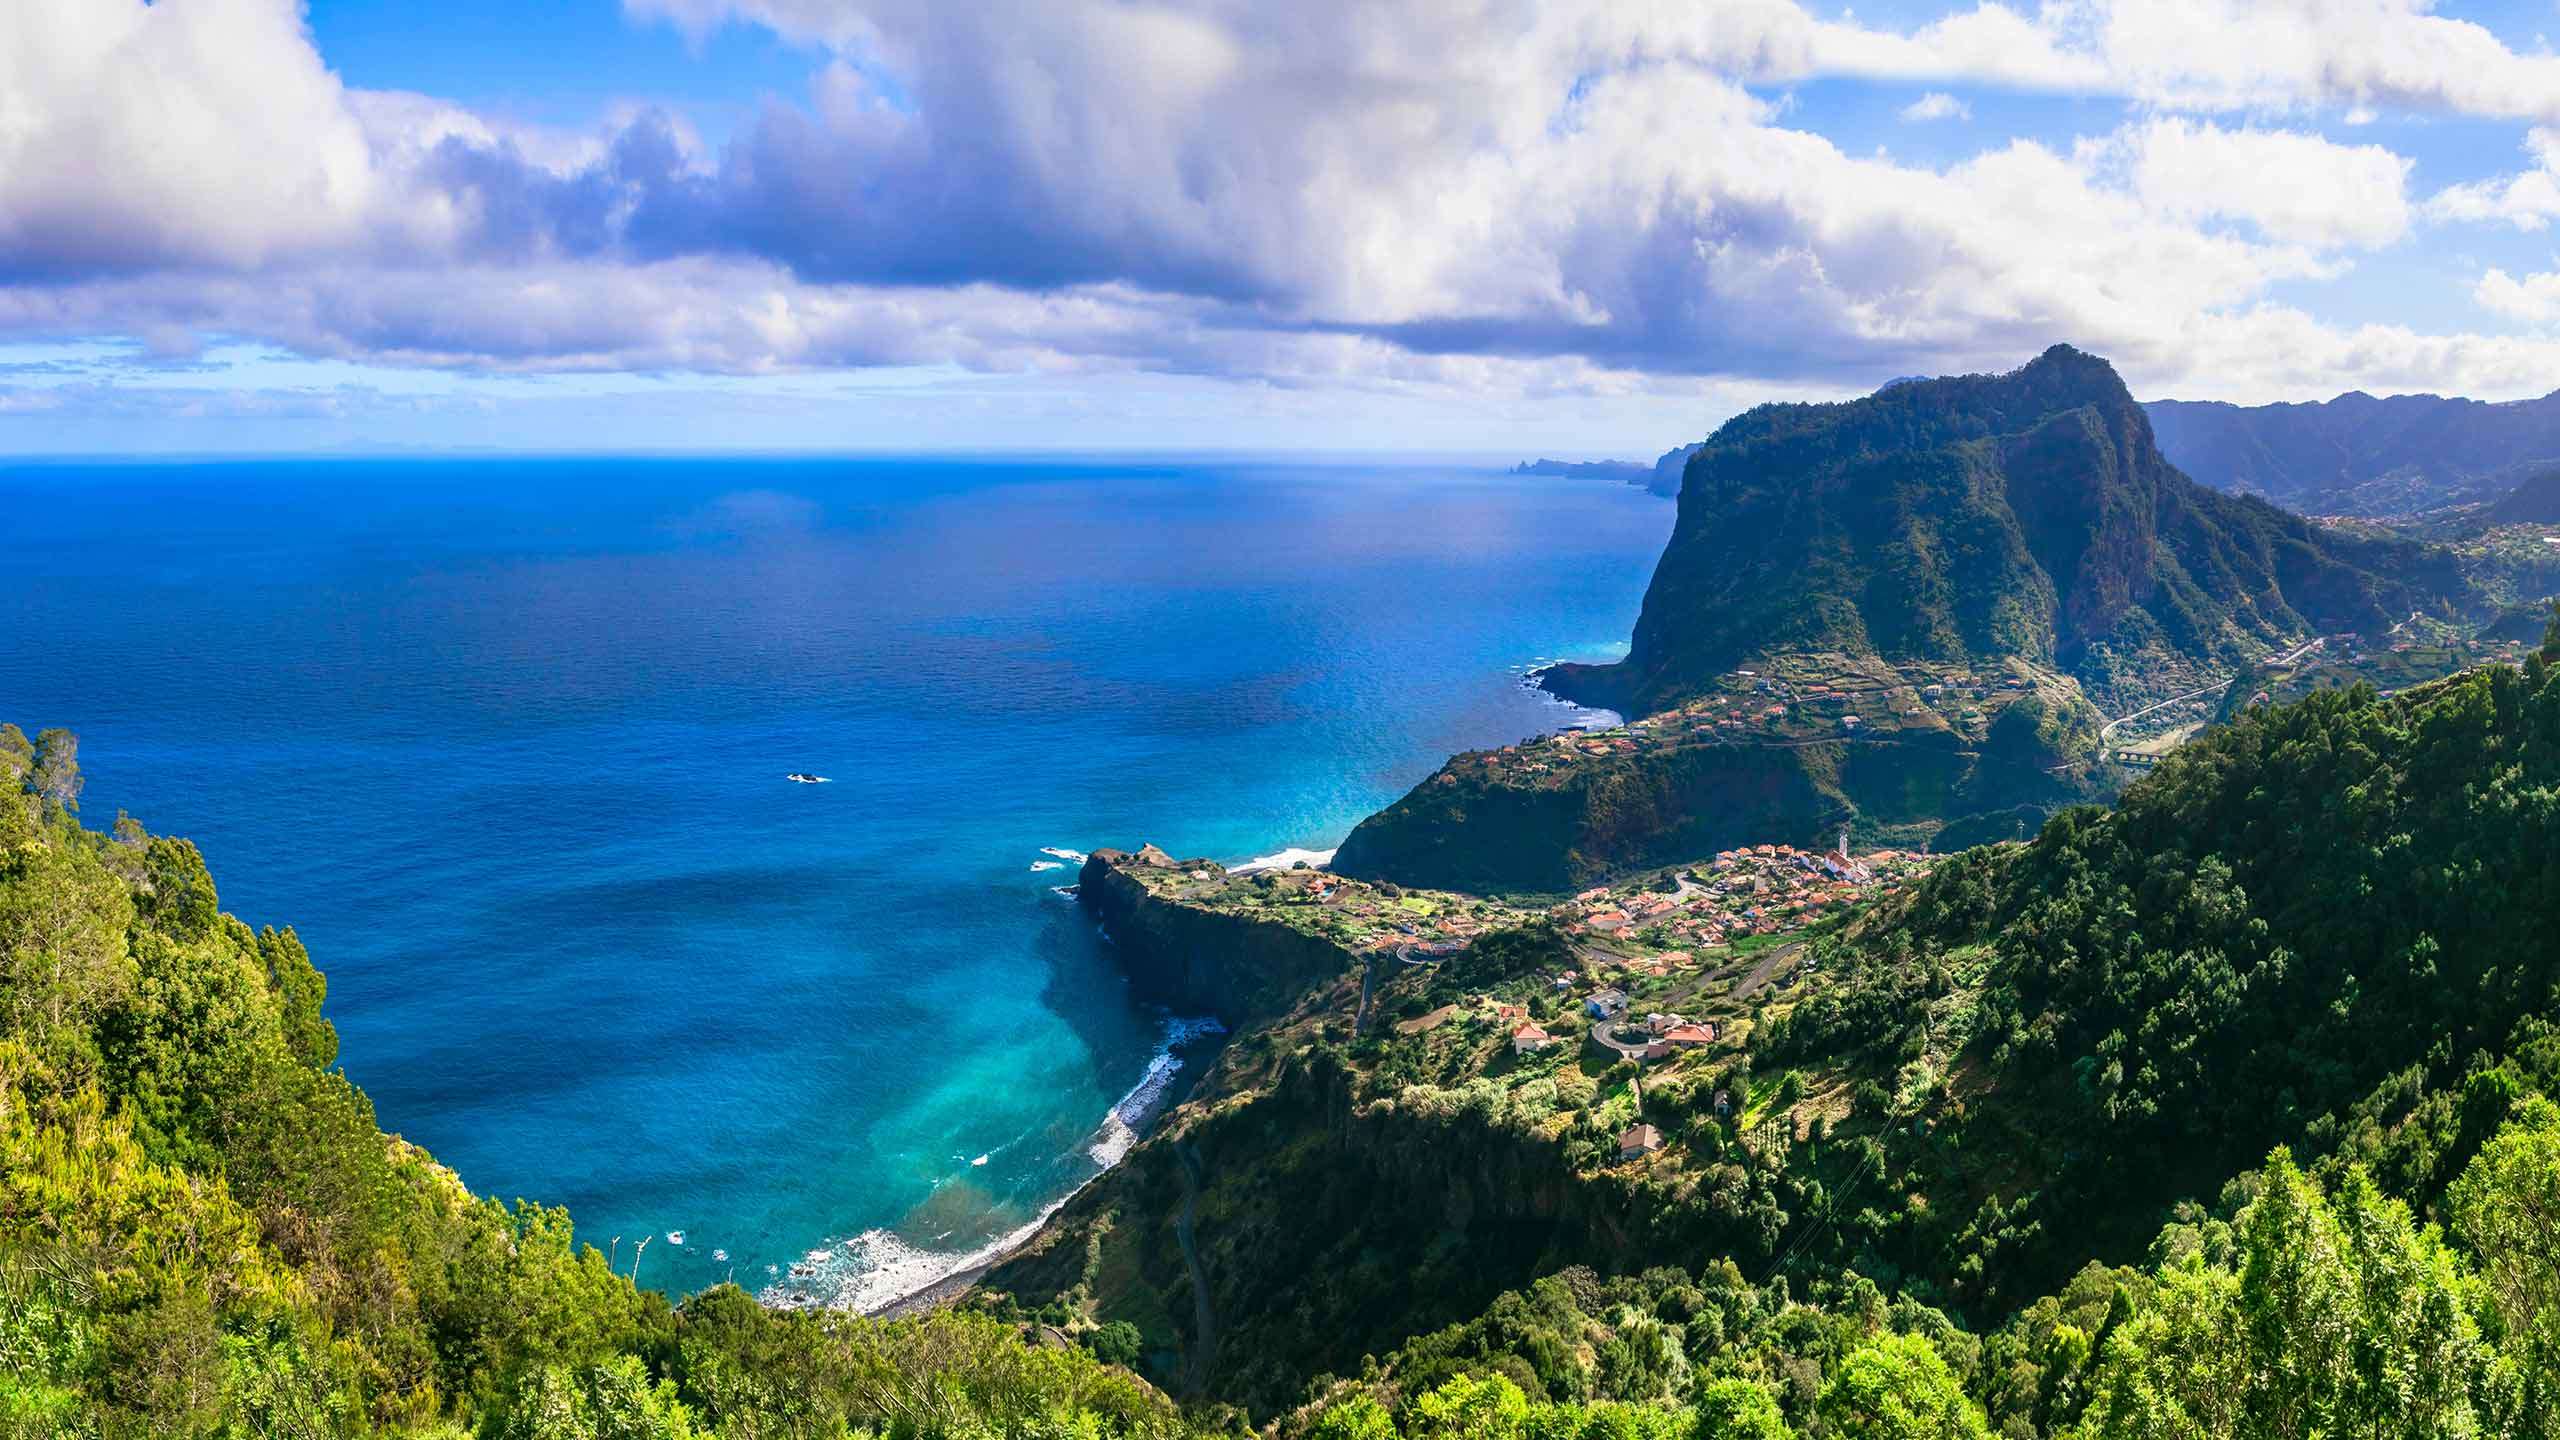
[1661, 477]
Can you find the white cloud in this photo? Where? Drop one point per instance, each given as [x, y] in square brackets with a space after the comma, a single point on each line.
[1443, 193]
[202, 131]
[2249, 54]
[1936, 105]
[2527, 200]
[2292, 186]
[2535, 299]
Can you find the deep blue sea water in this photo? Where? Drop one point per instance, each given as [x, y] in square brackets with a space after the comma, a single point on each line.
[505, 740]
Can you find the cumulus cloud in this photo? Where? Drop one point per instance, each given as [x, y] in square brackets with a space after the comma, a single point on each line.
[1440, 192]
[2292, 186]
[2250, 54]
[2189, 54]
[2526, 200]
[204, 131]
[2534, 299]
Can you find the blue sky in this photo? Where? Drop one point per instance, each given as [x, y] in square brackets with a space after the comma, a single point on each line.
[1450, 225]
[561, 63]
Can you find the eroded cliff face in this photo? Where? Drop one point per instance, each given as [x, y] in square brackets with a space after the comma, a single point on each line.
[1325, 1222]
[1197, 961]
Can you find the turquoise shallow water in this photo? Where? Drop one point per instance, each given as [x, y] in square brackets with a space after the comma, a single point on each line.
[505, 740]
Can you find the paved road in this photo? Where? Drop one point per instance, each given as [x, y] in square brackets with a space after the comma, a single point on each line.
[1204, 1320]
[2297, 652]
[2222, 684]
[1762, 973]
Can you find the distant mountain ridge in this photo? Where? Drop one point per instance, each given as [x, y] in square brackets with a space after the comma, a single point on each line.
[2359, 454]
[1978, 517]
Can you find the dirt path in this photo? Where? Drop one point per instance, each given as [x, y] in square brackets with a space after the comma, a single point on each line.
[1204, 1320]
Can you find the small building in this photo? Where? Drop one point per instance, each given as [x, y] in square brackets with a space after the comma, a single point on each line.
[1689, 1037]
[1606, 1004]
[1529, 1039]
[1639, 1140]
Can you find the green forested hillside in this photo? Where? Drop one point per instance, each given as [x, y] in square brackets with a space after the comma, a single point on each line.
[2323, 928]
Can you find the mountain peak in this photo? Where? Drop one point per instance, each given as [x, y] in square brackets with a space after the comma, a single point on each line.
[1978, 519]
[2067, 366]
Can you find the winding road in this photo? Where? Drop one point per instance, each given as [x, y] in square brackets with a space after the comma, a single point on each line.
[1763, 972]
[2222, 684]
[1204, 1320]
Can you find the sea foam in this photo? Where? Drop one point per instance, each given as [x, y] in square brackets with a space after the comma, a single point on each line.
[1284, 859]
[878, 1268]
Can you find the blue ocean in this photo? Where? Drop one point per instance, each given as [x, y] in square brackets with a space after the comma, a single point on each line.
[506, 740]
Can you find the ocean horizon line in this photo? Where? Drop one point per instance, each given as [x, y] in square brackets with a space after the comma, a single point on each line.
[1498, 459]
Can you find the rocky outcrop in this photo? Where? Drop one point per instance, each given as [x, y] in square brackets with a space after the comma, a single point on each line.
[1200, 961]
[1460, 830]
[1979, 518]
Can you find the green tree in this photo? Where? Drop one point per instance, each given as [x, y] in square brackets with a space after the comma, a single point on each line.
[2506, 1207]
[614, 1400]
[2342, 1318]
[17, 757]
[1468, 1407]
[55, 776]
[1897, 1387]
[1117, 1343]
[1732, 1409]
[1359, 1417]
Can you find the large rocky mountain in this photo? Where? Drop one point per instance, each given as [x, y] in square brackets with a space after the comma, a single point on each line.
[1985, 517]
[1918, 616]
[2359, 455]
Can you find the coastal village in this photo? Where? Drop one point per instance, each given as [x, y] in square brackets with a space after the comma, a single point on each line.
[1822, 697]
[1661, 977]
[1794, 699]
